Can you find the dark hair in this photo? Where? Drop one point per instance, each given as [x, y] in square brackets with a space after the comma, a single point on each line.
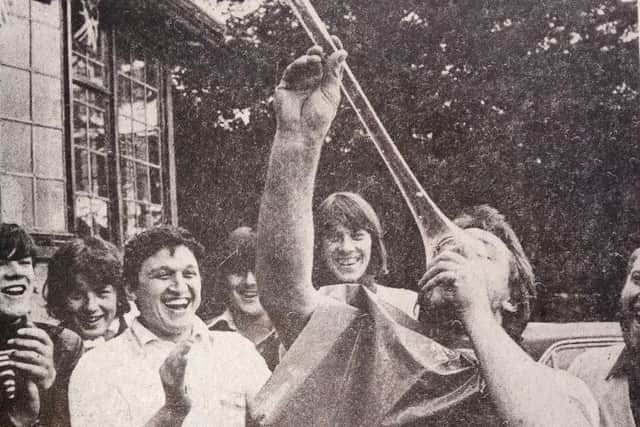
[98, 261]
[239, 256]
[16, 243]
[521, 279]
[353, 212]
[146, 243]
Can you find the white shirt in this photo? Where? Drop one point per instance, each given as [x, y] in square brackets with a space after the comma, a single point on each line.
[118, 385]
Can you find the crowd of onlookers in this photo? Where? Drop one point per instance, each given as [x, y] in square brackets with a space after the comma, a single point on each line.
[308, 334]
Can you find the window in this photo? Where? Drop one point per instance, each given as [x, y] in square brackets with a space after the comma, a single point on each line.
[32, 178]
[118, 132]
[84, 146]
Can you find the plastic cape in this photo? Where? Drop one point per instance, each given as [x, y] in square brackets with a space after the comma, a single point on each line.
[364, 363]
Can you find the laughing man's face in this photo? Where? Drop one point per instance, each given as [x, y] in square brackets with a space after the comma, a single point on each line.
[630, 302]
[168, 293]
[16, 287]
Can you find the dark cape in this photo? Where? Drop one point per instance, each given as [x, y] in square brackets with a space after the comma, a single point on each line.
[366, 363]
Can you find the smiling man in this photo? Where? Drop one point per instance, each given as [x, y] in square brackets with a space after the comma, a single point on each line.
[613, 373]
[237, 288]
[167, 369]
[38, 358]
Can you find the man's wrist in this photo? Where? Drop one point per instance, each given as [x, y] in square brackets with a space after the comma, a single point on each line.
[177, 409]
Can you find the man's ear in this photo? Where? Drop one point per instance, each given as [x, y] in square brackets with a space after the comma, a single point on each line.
[506, 306]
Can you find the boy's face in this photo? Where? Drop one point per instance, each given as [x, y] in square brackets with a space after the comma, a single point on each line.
[16, 287]
[91, 307]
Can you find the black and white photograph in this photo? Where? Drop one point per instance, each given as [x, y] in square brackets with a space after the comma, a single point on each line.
[291, 213]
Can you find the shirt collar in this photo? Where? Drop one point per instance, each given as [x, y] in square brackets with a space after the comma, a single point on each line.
[145, 336]
[223, 322]
[622, 367]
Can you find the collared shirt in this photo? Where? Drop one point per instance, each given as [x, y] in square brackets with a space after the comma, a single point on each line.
[268, 346]
[118, 384]
[606, 371]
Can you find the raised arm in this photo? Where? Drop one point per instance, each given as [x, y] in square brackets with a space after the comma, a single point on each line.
[306, 101]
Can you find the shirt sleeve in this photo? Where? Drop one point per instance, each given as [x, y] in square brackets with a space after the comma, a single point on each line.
[93, 399]
[580, 397]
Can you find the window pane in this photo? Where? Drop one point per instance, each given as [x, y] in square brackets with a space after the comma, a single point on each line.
[125, 136]
[138, 67]
[124, 97]
[20, 8]
[140, 145]
[154, 147]
[128, 178]
[79, 65]
[153, 73]
[142, 182]
[46, 49]
[14, 93]
[99, 177]
[123, 62]
[80, 125]
[51, 206]
[47, 145]
[100, 210]
[15, 147]
[138, 103]
[83, 215]
[155, 215]
[47, 100]
[97, 132]
[95, 72]
[156, 185]
[130, 219]
[16, 200]
[79, 93]
[14, 42]
[82, 170]
[49, 13]
[152, 108]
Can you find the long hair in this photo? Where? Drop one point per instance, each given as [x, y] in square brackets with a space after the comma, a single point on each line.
[521, 278]
[98, 261]
[353, 212]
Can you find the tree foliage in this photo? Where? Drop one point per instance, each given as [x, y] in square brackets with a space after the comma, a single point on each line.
[531, 107]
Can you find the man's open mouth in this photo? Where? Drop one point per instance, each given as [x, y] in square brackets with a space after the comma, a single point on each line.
[14, 290]
[91, 320]
[248, 293]
[348, 261]
[177, 304]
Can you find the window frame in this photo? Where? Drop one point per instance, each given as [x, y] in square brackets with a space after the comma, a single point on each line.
[165, 122]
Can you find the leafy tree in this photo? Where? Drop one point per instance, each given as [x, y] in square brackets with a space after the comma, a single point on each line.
[529, 106]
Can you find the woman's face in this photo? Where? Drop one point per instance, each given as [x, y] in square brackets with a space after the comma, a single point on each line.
[346, 253]
[91, 308]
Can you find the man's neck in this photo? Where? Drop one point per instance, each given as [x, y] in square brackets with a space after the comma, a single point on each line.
[254, 328]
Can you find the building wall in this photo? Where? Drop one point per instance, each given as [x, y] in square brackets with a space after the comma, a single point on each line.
[32, 169]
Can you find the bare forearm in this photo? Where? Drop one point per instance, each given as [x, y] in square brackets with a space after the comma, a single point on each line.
[168, 416]
[285, 233]
[525, 392]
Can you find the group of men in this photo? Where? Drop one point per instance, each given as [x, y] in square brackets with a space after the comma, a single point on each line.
[349, 361]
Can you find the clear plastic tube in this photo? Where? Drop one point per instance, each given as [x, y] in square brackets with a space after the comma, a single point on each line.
[432, 223]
